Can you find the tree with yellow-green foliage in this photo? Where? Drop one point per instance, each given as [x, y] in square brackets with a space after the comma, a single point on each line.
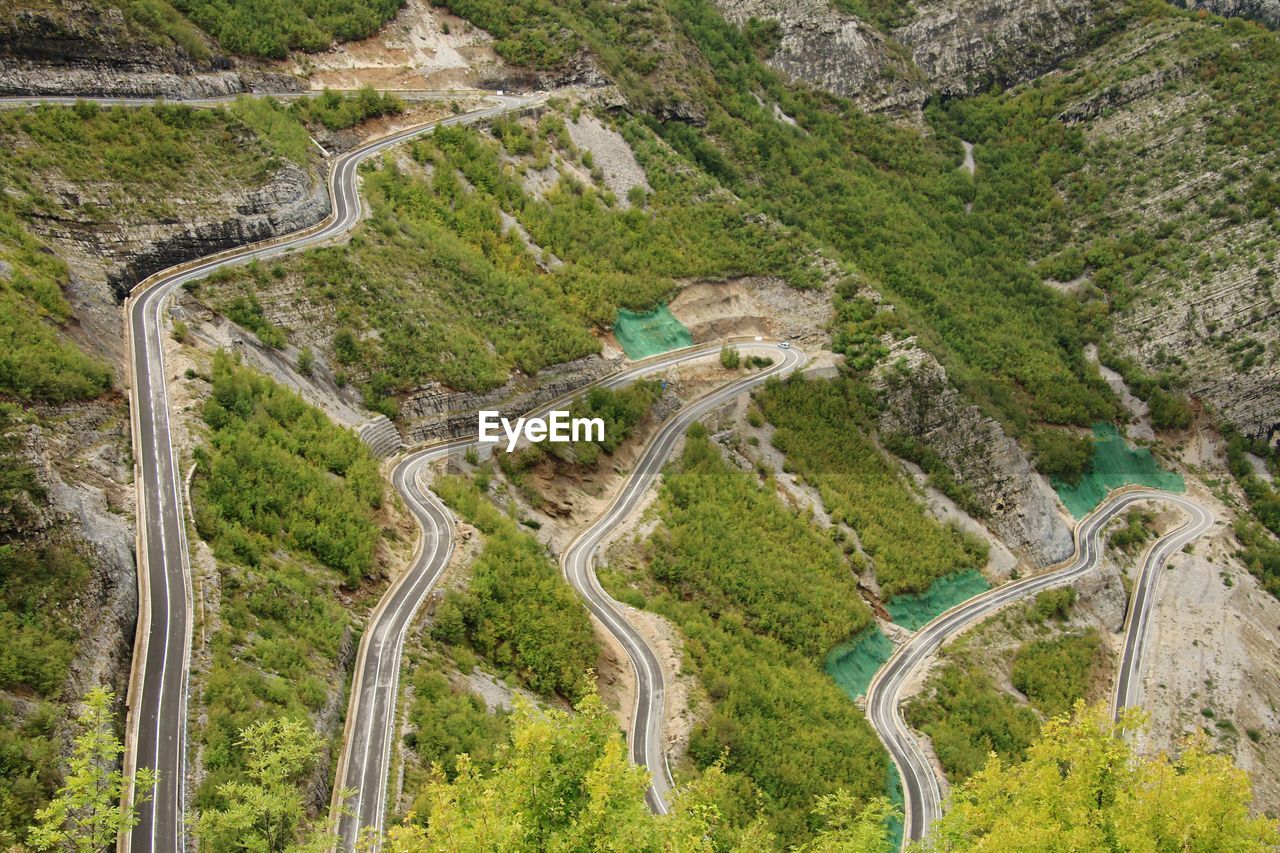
[564, 782]
[1082, 788]
[86, 814]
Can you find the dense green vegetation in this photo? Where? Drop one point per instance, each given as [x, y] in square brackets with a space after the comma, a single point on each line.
[1054, 673]
[277, 127]
[782, 580]
[517, 612]
[564, 782]
[267, 808]
[29, 764]
[39, 587]
[967, 717]
[36, 363]
[446, 723]
[822, 428]
[437, 285]
[163, 23]
[278, 472]
[131, 161]
[272, 28]
[86, 813]
[1062, 454]
[525, 33]
[288, 503]
[337, 110]
[759, 596]
[1083, 781]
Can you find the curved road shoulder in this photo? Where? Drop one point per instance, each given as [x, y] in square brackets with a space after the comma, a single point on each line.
[921, 792]
[359, 801]
[157, 713]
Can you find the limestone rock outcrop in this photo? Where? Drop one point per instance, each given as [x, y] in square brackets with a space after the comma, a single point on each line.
[81, 48]
[837, 52]
[963, 47]
[124, 253]
[921, 403]
[1266, 12]
[953, 47]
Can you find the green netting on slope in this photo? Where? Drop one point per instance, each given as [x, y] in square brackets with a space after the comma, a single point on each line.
[893, 787]
[1115, 464]
[852, 663]
[913, 611]
[643, 335]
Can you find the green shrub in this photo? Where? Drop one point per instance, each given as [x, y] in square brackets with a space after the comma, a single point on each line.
[518, 611]
[818, 430]
[338, 110]
[1053, 604]
[1054, 674]
[444, 723]
[278, 473]
[1061, 454]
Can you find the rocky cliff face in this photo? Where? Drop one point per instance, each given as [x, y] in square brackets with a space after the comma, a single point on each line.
[108, 257]
[83, 470]
[435, 412]
[837, 52]
[950, 46]
[1211, 324]
[964, 47]
[80, 48]
[920, 403]
[1266, 12]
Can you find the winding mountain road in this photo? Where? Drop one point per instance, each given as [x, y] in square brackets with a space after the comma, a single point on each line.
[920, 787]
[371, 717]
[158, 691]
[158, 688]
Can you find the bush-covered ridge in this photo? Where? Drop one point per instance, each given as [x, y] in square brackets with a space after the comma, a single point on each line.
[820, 428]
[288, 501]
[271, 28]
[439, 284]
[759, 596]
[518, 611]
[278, 473]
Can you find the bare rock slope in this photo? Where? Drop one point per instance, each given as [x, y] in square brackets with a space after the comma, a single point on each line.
[950, 46]
[921, 403]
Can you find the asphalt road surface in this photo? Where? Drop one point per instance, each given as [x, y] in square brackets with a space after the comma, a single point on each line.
[884, 696]
[371, 717]
[158, 712]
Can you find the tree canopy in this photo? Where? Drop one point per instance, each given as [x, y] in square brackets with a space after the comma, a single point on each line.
[1083, 787]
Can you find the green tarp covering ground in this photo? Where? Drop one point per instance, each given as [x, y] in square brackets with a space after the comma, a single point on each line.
[893, 787]
[1115, 464]
[643, 335]
[852, 664]
[914, 611]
